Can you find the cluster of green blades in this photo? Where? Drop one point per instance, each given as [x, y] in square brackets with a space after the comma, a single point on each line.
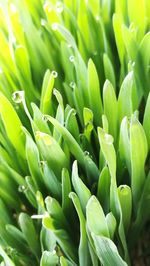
[74, 131]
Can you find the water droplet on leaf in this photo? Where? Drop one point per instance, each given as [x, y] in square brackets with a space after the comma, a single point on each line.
[18, 96]
[43, 22]
[59, 7]
[55, 74]
[72, 84]
[71, 58]
[45, 118]
[54, 26]
[13, 8]
[22, 188]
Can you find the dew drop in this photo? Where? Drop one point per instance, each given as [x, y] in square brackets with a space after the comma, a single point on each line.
[74, 112]
[43, 22]
[97, 18]
[86, 153]
[54, 252]
[45, 118]
[55, 74]
[47, 6]
[13, 39]
[54, 26]
[71, 58]
[22, 188]
[69, 45]
[13, 8]
[18, 96]
[42, 163]
[49, 9]
[72, 84]
[59, 7]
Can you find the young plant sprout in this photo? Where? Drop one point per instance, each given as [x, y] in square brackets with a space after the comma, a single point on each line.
[74, 133]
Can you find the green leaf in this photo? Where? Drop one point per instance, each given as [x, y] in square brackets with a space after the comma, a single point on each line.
[137, 139]
[51, 181]
[5, 218]
[33, 159]
[18, 237]
[125, 196]
[56, 212]
[107, 251]
[46, 95]
[29, 233]
[99, 225]
[47, 239]
[94, 92]
[137, 14]
[12, 125]
[125, 100]
[24, 71]
[121, 9]
[146, 120]
[117, 25]
[71, 142]
[103, 190]
[110, 107]
[124, 144]
[7, 260]
[50, 149]
[80, 188]
[106, 143]
[109, 71]
[143, 213]
[66, 189]
[62, 238]
[129, 42]
[72, 125]
[49, 258]
[112, 224]
[39, 123]
[88, 122]
[83, 251]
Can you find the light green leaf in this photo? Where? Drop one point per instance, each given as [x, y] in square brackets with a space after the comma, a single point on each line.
[12, 125]
[146, 120]
[83, 251]
[103, 191]
[109, 71]
[137, 139]
[49, 258]
[112, 224]
[99, 225]
[7, 260]
[125, 197]
[80, 188]
[48, 84]
[107, 251]
[94, 92]
[137, 14]
[29, 233]
[110, 107]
